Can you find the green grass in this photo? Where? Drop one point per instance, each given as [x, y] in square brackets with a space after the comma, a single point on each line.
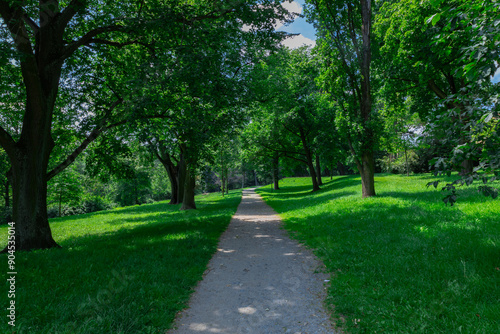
[401, 262]
[128, 270]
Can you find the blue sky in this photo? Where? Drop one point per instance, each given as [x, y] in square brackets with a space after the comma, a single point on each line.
[496, 78]
[299, 26]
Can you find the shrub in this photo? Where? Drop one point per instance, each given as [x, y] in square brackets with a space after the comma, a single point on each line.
[95, 203]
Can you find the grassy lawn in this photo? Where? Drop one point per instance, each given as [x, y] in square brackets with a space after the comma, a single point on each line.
[128, 270]
[401, 262]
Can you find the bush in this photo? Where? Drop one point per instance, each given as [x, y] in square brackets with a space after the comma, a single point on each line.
[53, 212]
[398, 166]
[95, 203]
[72, 210]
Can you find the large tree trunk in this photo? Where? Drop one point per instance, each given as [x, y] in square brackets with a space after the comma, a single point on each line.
[367, 173]
[309, 160]
[276, 161]
[367, 169]
[318, 171]
[30, 155]
[188, 202]
[172, 171]
[29, 188]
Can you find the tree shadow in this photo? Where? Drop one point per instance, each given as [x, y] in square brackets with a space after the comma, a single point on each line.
[405, 259]
[126, 280]
[306, 190]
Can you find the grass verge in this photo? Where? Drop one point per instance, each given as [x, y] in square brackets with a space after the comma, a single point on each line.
[128, 270]
[401, 262]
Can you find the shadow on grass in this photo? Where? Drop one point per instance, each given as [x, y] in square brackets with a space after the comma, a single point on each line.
[129, 280]
[306, 190]
[431, 268]
[411, 265]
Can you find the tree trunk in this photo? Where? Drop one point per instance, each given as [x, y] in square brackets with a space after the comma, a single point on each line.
[29, 188]
[467, 167]
[181, 178]
[174, 188]
[188, 202]
[227, 183]
[367, 173]
[406, 163]
[222, 184]
[309, 160]
[29, 157]
[255, 176]
[41, 69]
[341, 168]
[368, 164]
[318, 171]
[172, 172]
[275, 171]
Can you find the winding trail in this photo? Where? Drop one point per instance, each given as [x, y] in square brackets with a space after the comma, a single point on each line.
[259, 281]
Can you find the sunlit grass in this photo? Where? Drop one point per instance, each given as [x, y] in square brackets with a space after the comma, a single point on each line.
[128, 270]
[401, 262]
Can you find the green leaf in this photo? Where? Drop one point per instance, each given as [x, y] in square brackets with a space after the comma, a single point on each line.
[433, 19]
[435, 3]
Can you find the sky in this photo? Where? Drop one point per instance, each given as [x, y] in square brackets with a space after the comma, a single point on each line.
[496, 78]
[308, 33]
[299, 26]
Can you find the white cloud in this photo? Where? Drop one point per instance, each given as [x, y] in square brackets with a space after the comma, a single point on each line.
[292, 7]
[298, 41]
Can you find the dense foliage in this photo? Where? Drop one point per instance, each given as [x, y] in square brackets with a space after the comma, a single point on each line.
[106, 105]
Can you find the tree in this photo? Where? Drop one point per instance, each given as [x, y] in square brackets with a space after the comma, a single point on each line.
[440, 55]
[433, 73]
[48, 45]
[344, 29]
[284, 83]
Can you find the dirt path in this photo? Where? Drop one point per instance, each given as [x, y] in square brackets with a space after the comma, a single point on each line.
[259, 281]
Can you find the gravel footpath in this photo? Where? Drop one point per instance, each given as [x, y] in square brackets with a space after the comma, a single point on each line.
[259, 281]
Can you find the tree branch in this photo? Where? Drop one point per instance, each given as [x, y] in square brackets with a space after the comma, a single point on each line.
[87, 38]
[13, 18]
[433, 87]
[98, 130]
[31, 23]
[69, 12]
[121, 45]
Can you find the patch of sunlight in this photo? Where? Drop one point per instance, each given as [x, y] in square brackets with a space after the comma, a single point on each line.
[425, 231]
[204, 328]
[177, 236]
[247, 310]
